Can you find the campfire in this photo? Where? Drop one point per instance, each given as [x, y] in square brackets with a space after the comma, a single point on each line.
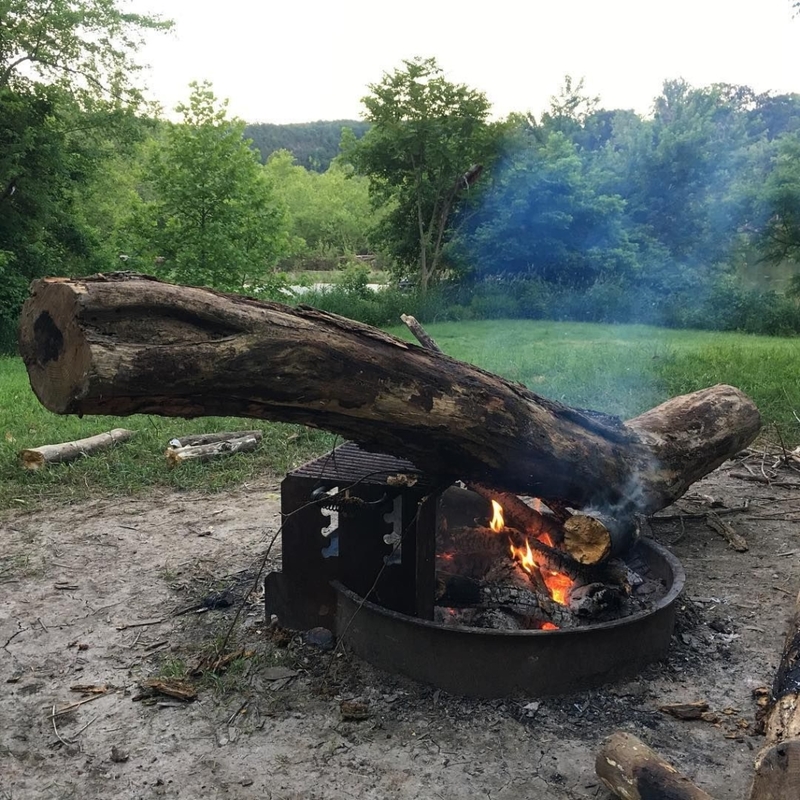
[424, 579]
[520, 576]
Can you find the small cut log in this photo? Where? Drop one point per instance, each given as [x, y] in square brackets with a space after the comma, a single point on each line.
[777, 775]
[632, 771]
[37, 457]
[594, 537]
[194, 439]
[207, 452]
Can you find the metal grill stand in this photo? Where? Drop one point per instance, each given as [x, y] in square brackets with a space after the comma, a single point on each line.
[362, 553]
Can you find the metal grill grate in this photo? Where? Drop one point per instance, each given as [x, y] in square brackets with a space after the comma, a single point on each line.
[349, 463]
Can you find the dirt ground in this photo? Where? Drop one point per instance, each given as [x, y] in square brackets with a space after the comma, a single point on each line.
[76, 580]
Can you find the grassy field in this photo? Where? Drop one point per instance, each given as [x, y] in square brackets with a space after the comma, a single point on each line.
[621, 370]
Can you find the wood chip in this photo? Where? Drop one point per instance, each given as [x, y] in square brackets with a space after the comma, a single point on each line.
[277, 673]
[353, 710]
[171, 688]
[685, 711]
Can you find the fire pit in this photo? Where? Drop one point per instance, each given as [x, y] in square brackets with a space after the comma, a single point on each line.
[360, 557]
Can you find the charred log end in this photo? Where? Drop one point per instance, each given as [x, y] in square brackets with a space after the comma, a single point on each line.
[53, 346]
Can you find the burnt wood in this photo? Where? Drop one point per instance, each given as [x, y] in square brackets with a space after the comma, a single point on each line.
[123, 344]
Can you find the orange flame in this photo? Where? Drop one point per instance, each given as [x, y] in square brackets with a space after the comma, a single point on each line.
[557, 583]
[497, 522]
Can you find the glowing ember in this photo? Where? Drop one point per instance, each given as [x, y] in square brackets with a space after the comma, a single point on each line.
[497, 522]
[549, 626]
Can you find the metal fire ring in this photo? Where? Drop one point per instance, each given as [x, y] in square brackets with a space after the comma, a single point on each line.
[489, 663]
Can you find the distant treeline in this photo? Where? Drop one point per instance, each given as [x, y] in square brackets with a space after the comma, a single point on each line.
[313, 144]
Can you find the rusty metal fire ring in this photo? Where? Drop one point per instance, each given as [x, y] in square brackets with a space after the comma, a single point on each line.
[489, 663]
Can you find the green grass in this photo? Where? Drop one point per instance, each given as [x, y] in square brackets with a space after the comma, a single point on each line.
[621, 370]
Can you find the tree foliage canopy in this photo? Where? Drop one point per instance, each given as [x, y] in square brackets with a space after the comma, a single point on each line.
[426, 134]
[214, 217]
[87, 45]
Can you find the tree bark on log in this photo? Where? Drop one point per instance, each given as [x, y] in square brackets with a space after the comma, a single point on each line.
[125, 344]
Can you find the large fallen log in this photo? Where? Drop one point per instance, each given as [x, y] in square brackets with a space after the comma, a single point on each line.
[124, 344]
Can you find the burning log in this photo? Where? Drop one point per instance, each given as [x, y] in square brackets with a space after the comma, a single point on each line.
[519, 514]
[123, 344]
[778, 764]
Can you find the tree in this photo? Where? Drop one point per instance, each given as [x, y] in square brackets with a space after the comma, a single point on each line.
[780, 203]
[544, 216]
[214, 215]
[330, 213]
[427, 135]
[87, 45]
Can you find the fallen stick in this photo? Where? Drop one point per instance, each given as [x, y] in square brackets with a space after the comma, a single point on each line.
[726, 531]
[38, 457]
[631, 770]
[207, 452]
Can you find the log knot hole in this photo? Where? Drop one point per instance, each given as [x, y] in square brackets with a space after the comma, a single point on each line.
[48, 339]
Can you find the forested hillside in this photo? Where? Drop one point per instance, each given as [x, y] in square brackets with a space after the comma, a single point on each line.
[313, 144]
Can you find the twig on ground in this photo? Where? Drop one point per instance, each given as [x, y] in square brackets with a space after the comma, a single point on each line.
[126, 625]
[73, 706]
[55, 729]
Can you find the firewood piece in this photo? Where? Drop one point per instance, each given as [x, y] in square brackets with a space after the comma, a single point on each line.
[685, 711]
[192, 440]
[206, 452]
[777, 773]
[38, 457]
[593, 537]
[511, 591]
[477, 551]
[550, 557]
[125, 344]
[724, 529]
[420, 334]
[590, 600]
[631, 770]
[518, 514]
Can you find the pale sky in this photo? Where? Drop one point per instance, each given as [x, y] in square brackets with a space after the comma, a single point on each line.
[304, 61]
